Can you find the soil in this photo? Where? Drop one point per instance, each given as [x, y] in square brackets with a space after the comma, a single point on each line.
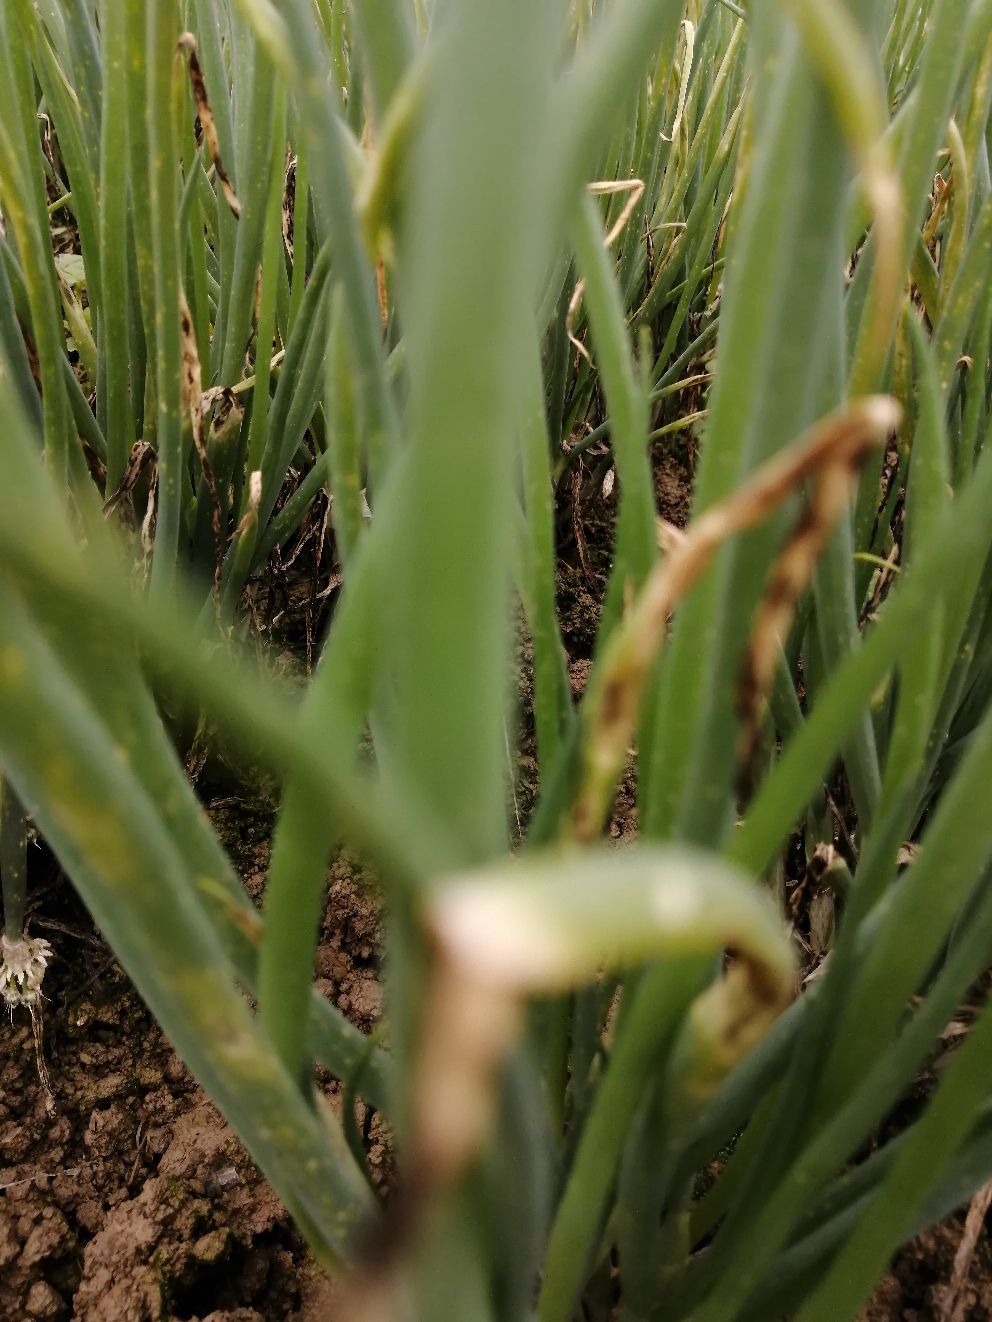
[134, 1202]
[916, 1286]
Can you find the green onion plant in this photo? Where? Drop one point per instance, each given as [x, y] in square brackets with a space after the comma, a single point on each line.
[416, 262]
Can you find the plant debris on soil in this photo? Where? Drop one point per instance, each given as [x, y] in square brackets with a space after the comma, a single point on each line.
[135, 1202]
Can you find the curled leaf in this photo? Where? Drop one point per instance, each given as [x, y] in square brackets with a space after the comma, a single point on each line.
[551, 923]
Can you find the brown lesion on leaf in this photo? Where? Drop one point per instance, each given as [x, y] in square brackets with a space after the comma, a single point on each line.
[197, 82]
[611, 710]
[382, 293]
[829, 453]
[289, 204]
[142, 454]
[193, 398]
[765, 987]
[468, 1029]
[613, 704]
[239, 914]
[224, 403]
[843, 444]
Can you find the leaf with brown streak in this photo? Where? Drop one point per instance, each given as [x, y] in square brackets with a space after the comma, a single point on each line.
[850, 436]
[187, 43]
[193, 408]
[141, 454]
[830, 452]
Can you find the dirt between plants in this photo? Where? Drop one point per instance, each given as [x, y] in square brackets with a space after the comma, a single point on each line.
[134, 1202]
[915, 1290]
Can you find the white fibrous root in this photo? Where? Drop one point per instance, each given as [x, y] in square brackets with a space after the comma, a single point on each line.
[22, 970]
